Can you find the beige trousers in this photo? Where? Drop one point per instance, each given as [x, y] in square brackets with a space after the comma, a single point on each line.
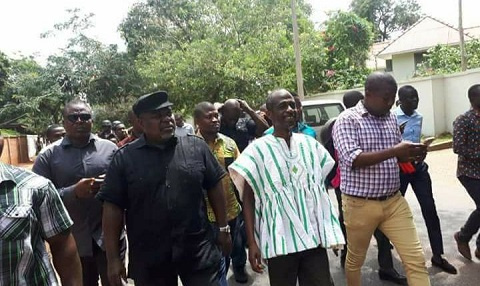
[394, 218]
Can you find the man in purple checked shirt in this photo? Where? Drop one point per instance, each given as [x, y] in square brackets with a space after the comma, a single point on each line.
[369, 147]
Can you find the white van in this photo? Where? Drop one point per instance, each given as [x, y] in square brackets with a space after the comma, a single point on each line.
[317, 112]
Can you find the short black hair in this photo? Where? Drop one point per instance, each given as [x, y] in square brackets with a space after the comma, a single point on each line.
[201, 108]
[75, 101]
[405, 91]
[52, 127]
[271, 96]
[374, 80]
[351, 98]
[473, 91]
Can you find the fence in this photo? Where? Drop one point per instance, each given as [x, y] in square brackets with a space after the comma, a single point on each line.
[442, 98]
[17, 149]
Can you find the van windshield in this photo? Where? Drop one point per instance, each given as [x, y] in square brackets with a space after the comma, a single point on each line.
[318, 115]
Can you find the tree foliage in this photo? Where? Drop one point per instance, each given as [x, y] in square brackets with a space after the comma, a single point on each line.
[443, 59]
[387, 16]
[347, 40]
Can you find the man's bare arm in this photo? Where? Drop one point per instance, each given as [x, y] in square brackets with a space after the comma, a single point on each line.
[112, 225]
[66, 259]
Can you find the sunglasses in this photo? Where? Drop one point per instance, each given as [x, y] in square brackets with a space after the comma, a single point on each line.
[75, 117]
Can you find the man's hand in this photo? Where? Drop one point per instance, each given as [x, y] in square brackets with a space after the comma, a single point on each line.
[255, 258]
[407, 152]
[84, 189]
[244, 105]
[116, 273]
[225, 242]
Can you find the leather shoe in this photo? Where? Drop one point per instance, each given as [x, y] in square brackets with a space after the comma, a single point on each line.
[240, 275]
[392, 275]
[462, 247]
[443, 264]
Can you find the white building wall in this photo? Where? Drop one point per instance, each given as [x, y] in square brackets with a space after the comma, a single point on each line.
[442, 98]
[403, 66]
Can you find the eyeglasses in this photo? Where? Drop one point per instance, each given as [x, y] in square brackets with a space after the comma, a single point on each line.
[75, 117]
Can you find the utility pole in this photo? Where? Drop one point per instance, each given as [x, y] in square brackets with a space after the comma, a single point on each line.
[463, 56]
[298, 57]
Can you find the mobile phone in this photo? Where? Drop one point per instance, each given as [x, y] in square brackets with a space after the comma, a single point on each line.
[428, 141]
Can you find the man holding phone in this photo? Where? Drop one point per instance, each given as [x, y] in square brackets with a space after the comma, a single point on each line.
[410, 123]
[75, 165]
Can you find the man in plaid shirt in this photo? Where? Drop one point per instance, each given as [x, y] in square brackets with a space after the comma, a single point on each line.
[369, 146]
[31, 212]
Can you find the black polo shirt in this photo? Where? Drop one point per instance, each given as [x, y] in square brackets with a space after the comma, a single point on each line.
[162, 188]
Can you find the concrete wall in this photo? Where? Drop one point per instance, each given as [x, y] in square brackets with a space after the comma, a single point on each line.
[442, 98]
[403, 66]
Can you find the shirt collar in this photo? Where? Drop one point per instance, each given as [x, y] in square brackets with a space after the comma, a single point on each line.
[142, 142]
[6, 173]
[219, 138]
[399, 112]
[360, 108]
[66, 141]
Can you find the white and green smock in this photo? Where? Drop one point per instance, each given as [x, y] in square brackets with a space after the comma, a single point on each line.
[293, 211]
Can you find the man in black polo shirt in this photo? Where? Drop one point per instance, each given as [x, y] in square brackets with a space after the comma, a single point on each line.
[159, 182]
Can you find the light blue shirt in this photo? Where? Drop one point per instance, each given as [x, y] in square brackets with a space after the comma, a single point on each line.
[413, 129]
[301, 128]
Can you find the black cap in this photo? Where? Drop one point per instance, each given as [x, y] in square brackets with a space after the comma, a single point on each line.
[151, 102]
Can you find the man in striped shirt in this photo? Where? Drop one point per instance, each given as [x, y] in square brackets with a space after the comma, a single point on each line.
[289, 218]
[31, 212]
[368, 142]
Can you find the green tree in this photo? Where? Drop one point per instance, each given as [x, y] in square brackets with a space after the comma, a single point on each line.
[214, 50]
[387, 16]
[347, 40]
[443, 59]
[4, 66]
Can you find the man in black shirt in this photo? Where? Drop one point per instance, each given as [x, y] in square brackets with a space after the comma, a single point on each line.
[159, 182]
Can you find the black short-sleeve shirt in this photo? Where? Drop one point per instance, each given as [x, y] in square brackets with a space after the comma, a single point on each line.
[162, 188]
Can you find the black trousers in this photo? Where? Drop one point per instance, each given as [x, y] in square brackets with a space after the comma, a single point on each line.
[472, 225]
[204, 277]
[94, 266]
[309, 267]
[422, 187]
[385, 260]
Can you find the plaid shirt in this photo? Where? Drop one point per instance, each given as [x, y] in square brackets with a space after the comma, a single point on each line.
[357, 131]
[30, 212]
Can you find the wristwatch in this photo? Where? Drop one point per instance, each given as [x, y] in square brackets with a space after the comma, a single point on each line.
[225, 229]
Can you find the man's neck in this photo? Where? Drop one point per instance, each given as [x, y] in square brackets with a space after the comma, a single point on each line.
[209, 137]
[285, 134]
[79, 142]
[407, 112]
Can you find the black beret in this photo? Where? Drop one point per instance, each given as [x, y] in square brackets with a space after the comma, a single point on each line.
[151, 102]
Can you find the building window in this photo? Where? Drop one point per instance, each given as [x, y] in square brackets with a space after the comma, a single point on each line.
[418, 59]
[389, 66]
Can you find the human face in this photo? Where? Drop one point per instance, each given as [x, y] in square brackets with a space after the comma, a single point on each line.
[120, 131]
[283, 113]
[379, 102]
[56, 134]
[409, 103]
[208, 122]
[178, 121]
[158, 126]
[78, 121]
[230, 116]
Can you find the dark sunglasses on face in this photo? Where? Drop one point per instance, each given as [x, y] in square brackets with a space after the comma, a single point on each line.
[83, 117]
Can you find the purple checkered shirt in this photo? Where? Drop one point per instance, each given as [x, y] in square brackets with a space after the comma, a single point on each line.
[357, 131]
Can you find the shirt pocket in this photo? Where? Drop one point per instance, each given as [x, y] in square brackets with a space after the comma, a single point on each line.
[15, 222]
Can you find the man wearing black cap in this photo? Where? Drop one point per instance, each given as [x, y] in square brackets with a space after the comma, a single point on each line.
[159, 181]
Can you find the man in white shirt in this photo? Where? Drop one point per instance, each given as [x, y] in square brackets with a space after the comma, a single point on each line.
[182, 128]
